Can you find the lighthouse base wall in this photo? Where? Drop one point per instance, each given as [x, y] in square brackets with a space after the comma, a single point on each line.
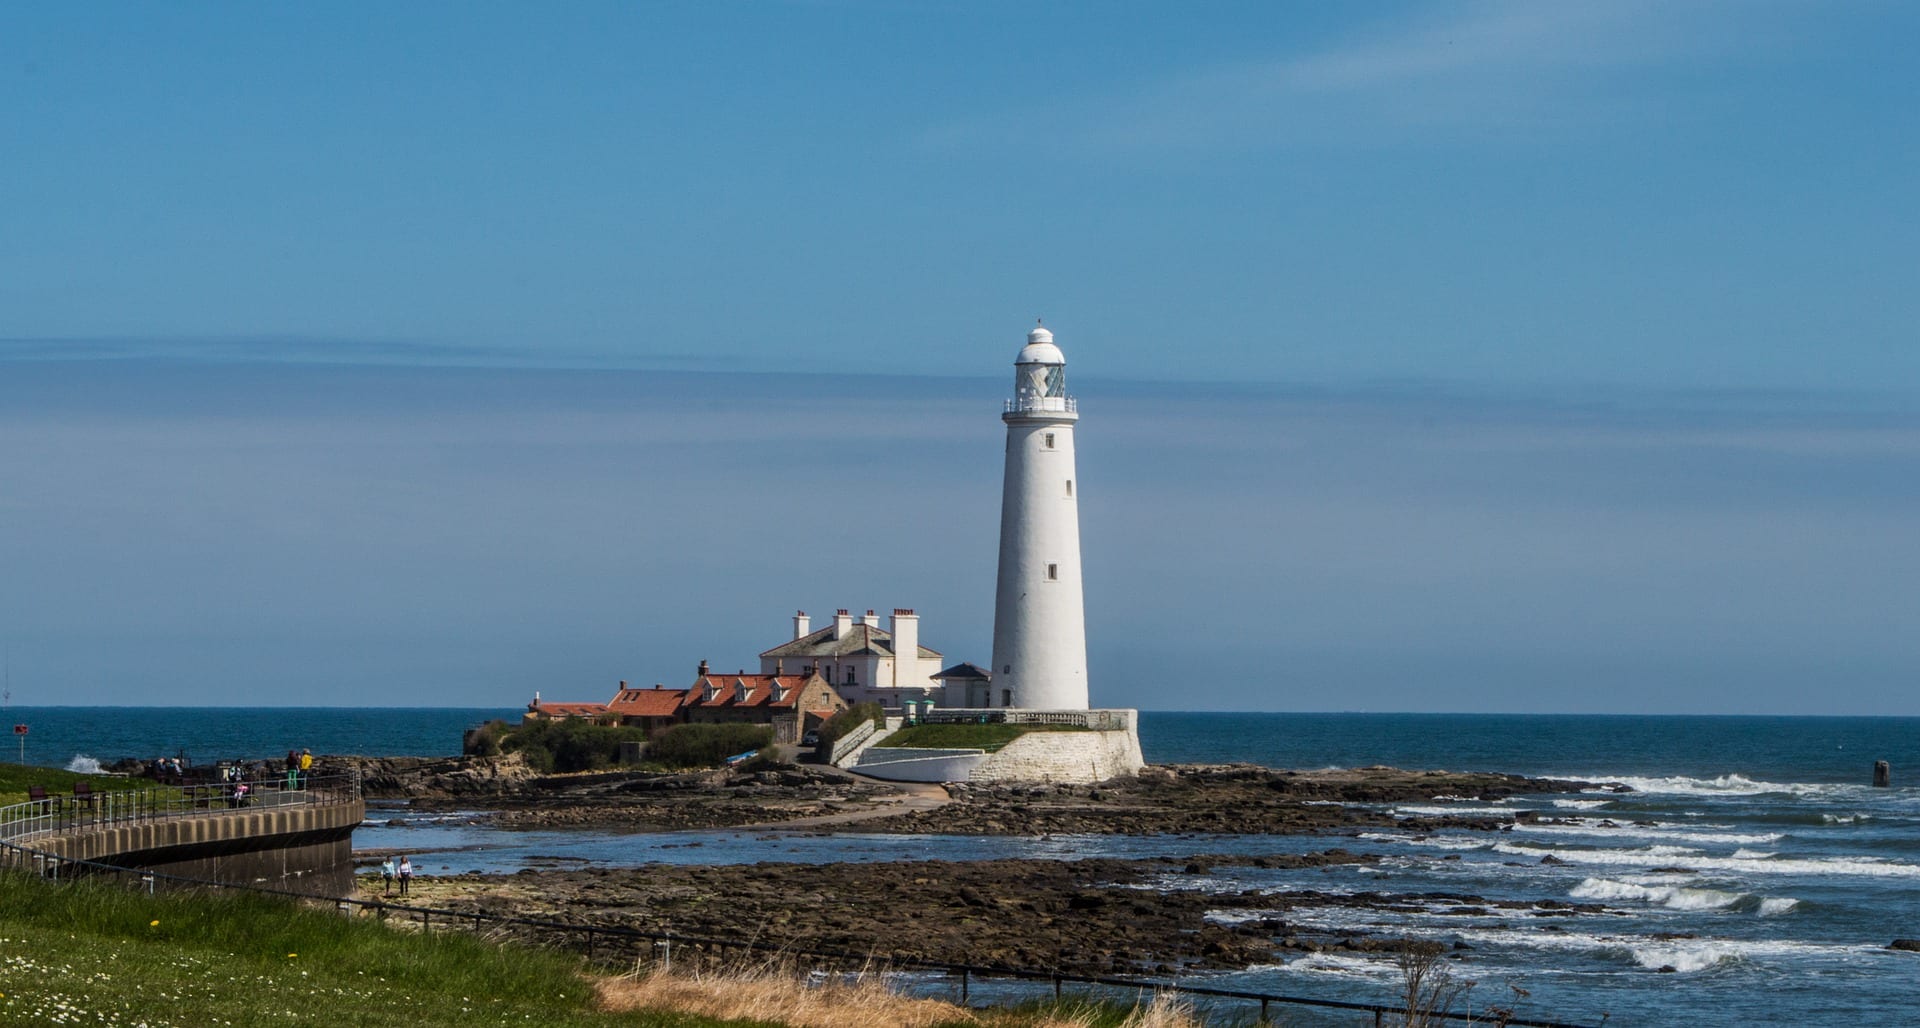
[1109, 750]
[1069, 758]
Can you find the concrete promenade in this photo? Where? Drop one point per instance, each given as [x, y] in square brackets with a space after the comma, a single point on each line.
[299, 839]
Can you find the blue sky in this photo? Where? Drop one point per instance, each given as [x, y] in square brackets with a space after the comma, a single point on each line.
[1457, 357]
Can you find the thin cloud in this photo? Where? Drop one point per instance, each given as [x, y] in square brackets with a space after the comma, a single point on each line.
[1485, 68]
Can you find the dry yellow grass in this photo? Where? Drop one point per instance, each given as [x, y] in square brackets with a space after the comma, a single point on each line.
[782, 995]
[774, 994]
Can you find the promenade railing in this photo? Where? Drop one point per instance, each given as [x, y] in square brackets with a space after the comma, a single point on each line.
[634, 947]
[69, 812]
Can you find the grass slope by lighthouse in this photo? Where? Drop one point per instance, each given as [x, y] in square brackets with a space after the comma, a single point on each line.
[944, 736]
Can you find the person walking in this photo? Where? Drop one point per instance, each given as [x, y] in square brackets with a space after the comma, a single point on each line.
[406, 874]
[386, 876]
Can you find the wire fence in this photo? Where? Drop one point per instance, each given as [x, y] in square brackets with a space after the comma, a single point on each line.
[624, 946]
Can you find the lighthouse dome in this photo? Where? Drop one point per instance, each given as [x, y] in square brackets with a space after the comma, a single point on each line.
[1040, 349]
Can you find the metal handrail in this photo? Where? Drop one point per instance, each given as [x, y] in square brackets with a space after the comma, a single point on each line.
[1038, 405]
[69, 812]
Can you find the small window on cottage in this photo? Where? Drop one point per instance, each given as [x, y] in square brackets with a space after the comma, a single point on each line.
[1053, 572]
[1049, 440]
[850, 678]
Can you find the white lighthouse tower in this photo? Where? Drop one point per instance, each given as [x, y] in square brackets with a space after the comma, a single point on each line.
[1039, 619]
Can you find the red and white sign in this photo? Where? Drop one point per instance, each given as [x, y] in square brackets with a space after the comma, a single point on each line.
[19, 729]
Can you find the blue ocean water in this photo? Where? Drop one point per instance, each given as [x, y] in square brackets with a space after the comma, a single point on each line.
[57, 736]
[1752, 876]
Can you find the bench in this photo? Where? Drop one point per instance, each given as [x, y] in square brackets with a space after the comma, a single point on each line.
[37, 794]
[83, 795]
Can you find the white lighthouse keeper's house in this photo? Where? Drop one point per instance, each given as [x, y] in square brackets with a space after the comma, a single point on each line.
[1039, 618]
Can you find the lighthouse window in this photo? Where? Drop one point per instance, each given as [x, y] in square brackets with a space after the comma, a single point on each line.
[1049, 440]
[1069, 487]
[1006, 697]
[1053, 572]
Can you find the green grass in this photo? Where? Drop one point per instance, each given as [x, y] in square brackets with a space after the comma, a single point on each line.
[968, 737]
[15, 778]
[84, 953]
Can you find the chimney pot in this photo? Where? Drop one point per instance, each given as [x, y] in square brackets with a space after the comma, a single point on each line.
[703, 669]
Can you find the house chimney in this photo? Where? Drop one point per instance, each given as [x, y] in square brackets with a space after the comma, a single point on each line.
[906, 648]
[703, 669]
[872, 620]
[801, 624]
[842, 623]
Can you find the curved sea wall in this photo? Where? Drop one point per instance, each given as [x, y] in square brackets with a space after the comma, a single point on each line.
[905, 764]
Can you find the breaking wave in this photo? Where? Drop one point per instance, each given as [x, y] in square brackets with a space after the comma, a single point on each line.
[1453, 811]
[1662, 830]
[1679, 897]
[83, 764]
[1438, 842]
[1651, 856]
[1672, 897]
[1725, 785]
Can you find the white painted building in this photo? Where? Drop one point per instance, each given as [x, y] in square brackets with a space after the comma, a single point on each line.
[1039, 618]
[864, 661]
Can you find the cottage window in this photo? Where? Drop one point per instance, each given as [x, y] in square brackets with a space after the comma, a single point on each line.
[851, 680]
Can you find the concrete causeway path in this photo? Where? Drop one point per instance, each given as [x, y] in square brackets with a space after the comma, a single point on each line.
[908, 796]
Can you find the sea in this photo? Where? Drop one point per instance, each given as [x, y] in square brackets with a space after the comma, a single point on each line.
[1752, 875]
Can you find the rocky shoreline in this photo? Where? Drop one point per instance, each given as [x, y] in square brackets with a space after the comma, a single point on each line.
[1090, 916]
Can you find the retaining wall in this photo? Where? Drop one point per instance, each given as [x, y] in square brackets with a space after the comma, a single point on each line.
[1080, 758]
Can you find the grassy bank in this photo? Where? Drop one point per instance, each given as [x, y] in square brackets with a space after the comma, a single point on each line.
[97, 954]
[16, 778]
[968, 737]
[84, 953]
